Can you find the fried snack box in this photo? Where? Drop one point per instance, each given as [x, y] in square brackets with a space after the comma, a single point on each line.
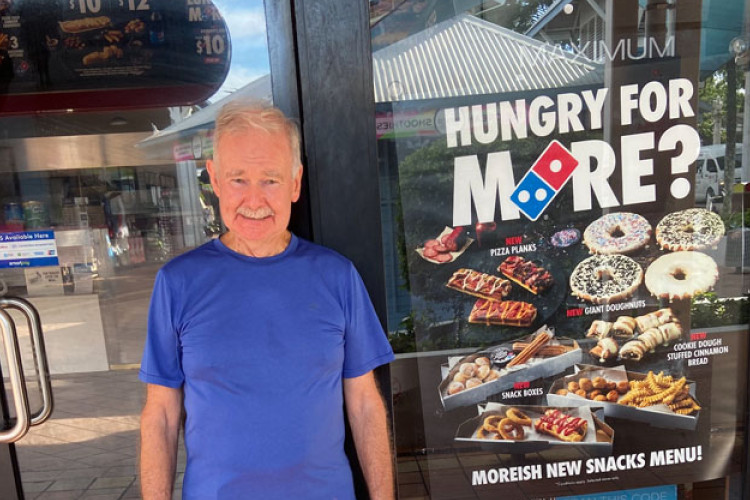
[563, 357]
[657, 415]
[597, 441]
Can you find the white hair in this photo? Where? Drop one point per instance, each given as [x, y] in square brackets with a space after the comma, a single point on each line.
[241, 116]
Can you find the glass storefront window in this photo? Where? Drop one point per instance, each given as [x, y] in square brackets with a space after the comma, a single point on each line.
[102, 180]
[563, 194]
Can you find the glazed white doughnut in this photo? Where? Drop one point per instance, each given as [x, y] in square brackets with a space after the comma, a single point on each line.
[681, 275]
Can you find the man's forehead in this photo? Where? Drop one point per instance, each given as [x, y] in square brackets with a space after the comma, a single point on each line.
[254, 135]
[268, 171]
[251, 143]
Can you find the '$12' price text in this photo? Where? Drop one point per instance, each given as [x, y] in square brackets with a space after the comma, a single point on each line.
[94, 6]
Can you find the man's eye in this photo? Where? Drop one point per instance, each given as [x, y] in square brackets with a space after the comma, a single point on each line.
[270, 182]
[237, 181]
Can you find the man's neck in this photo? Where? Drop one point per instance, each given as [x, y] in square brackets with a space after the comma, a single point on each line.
[256, 248]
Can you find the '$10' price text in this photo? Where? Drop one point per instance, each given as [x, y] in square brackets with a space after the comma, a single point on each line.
[211, 45]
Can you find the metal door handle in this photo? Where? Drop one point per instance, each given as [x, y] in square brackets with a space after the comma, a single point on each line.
[39, 352]
[17, 382]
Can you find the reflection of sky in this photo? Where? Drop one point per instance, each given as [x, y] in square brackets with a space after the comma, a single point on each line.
[247, 28]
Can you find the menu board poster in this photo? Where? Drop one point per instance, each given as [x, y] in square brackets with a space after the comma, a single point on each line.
[557, 256]
[102, 47]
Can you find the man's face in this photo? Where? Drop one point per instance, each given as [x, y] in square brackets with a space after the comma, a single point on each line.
[256, 188]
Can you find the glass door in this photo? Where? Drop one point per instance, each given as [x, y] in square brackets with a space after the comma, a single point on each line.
[563, 190]
[96, 199]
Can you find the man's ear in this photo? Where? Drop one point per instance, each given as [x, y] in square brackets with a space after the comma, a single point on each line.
[212, 174]
[297, 184]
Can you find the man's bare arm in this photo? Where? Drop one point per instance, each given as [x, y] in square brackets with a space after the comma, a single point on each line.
[368, 420]
[160, 428]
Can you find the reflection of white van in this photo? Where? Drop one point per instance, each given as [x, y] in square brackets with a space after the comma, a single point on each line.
[709, 172]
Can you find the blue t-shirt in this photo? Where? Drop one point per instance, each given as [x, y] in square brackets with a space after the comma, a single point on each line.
[260, 346]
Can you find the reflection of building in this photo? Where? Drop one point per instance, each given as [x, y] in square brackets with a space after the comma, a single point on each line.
[485, 61]
[184, 129]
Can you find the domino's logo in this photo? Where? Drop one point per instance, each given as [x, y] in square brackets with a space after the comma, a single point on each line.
[546, 178]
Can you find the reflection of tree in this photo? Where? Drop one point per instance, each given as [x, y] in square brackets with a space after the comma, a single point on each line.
[723, 91]
[729, 157]
[714, 92]
[516, 15]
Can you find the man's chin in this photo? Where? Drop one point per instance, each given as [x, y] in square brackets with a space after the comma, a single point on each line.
[253, 231]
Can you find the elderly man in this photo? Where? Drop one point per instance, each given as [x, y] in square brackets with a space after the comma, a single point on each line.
[262, 337]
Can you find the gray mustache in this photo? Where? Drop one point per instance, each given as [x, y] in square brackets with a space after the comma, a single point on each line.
[260, 213]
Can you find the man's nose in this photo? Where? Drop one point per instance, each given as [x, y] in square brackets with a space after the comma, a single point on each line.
[254, 195]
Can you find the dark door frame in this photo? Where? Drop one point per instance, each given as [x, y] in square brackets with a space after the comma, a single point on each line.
[10, 477]
[10, 473]
[321, 74]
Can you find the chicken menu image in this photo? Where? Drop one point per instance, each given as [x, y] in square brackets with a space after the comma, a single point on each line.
[561, 273]
[56, 45]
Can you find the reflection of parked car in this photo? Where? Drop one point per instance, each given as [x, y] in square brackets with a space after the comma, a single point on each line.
[709, 172]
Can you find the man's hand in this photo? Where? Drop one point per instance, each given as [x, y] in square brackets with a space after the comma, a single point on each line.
[160, 427]
[367, 417]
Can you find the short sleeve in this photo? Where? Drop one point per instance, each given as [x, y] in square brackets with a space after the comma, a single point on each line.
[365, 344]
[161, 363]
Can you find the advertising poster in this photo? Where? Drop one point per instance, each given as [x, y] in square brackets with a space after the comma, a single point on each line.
[583, 327]
[55, 46]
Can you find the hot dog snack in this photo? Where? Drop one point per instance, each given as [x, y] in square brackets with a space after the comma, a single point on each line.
[563, 427]
[85, 24]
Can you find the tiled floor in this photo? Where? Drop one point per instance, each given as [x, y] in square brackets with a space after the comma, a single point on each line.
[88, 449]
